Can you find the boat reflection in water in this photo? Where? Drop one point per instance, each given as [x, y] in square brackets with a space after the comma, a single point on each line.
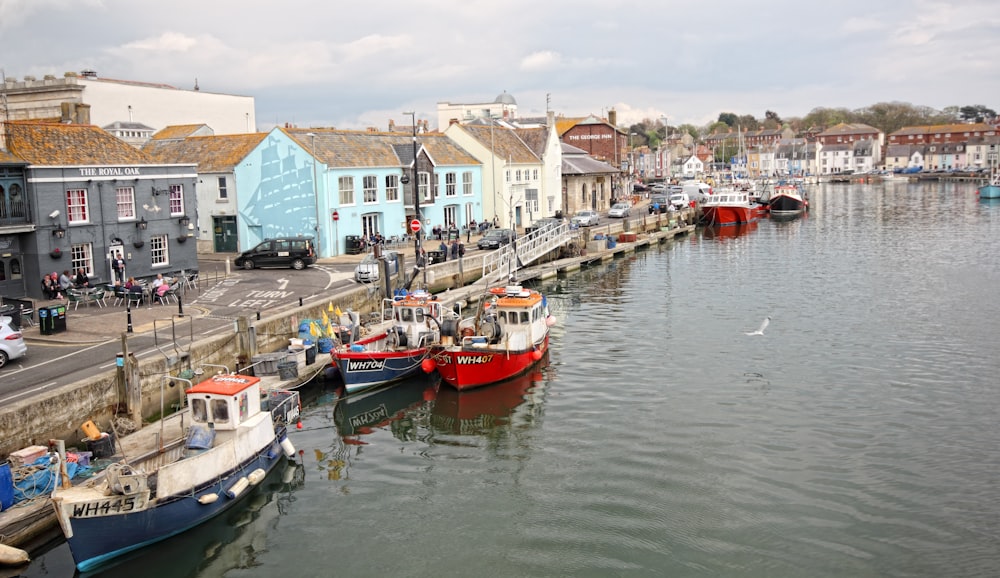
[218, 547]
[478, 411]
[730, 231]
[361, 413]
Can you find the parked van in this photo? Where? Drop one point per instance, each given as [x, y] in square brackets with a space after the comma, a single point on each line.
[697, 190]
[294, 252]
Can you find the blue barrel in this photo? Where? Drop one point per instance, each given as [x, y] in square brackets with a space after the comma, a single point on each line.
[6, 487]
[325, 344]
[200, 437]
[304, 330]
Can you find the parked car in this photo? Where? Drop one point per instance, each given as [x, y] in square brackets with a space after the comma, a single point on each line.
[618, 211]
[586, 218]
[370, 268]
[495, 238]
[294, 252]
[660, 202]
[11, 341]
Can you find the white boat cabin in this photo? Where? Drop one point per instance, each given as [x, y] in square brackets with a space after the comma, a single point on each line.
[223, 402]
[521, 314]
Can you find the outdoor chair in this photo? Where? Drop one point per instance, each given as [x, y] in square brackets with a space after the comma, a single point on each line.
[27, 315]
[74, 298]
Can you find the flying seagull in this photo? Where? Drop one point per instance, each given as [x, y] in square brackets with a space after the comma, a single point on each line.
[763, 326]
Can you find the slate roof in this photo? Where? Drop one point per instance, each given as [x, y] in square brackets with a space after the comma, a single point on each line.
[534, 138]
[350, 149]
[54, 144]
[212, 154]
[576, 161]
[179, 131]
[849, 128]
[506, 143]
[958, 128]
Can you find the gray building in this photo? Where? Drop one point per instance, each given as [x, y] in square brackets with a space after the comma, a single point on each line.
[83, 196]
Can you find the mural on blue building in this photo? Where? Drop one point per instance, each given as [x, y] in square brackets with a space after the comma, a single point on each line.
[283, 202]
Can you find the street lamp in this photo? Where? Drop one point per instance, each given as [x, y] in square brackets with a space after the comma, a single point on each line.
[666, 169]
[416, 198]
[493, 169]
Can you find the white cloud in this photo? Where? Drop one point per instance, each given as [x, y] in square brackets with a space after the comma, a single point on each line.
[541, 61]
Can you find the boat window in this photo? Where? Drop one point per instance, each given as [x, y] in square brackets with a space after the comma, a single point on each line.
[407, 314]
[419, 313]
[524, 317]
[220, 410]
[503, 317]
[199, 410]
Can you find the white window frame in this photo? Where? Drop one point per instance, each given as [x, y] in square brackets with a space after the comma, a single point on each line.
[467, 183]
[392, 188]
[77, 206]
[345, 188]
[125, 201]
[369, 189]
[176, 201]
[424, 189]
[82, 255]
[159, 250]
[450, 184]
[223, 189]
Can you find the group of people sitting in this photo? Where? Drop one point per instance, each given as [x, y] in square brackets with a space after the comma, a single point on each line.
[55, 285]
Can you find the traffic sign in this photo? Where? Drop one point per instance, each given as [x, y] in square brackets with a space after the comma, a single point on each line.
[415, 226]
[336, 216]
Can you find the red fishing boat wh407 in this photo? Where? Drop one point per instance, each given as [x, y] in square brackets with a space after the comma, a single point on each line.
[506, 337]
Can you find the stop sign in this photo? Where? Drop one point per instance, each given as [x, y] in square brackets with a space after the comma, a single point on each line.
[415, 226]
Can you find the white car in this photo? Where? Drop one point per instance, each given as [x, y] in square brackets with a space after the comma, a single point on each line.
[11, 342]
[618, 211]
[586, 219]
[368, 270]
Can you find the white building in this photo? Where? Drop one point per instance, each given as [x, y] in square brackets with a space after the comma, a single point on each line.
[504, 107]
[107, 101]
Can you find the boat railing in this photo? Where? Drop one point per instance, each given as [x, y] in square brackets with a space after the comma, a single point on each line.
[284, 406]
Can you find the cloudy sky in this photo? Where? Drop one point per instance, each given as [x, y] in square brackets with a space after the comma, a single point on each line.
[357, 64]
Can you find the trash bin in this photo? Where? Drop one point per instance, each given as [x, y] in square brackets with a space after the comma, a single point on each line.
[288, 370]
[52, 319]
[311, 354]
[102, 447]
[354, 245]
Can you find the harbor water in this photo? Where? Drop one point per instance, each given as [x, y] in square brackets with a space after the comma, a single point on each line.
[857, 436]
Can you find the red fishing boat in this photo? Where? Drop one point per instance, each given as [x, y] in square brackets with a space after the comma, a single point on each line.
[506, 337]
[730, 207]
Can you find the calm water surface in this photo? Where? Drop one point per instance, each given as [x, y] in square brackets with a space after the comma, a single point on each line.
[857, 437]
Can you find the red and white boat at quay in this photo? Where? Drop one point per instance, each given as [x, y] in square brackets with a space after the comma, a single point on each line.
[506, 337]
[786, 201]
[394, 352]
[730, 207]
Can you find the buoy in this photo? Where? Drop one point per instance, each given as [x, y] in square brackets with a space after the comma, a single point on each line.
[256, 476]
[536, 354]
[236, 489]
[287, 446]
[11, 556]
[550, 320]
[208, 499]
[298, 425]
[428, 365]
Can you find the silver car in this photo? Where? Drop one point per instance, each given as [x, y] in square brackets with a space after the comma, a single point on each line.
[586, 219]
[369, 269]
[11, 341]
[618, 211]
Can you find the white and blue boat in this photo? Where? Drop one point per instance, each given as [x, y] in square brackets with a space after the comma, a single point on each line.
[235, 439]
[991, 190]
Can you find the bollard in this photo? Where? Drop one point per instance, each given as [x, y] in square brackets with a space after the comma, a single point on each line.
[227, 266]
[300, 302]
[258, 316]
[180, 305]
[128, 314]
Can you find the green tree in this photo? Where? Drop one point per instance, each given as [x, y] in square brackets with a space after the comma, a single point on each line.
[729, 118]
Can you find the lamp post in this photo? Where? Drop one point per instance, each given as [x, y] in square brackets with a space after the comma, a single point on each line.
[416, 198]
[493, 170]
[666, 168]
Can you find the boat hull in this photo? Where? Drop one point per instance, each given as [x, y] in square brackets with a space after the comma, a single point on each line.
[99, 539]
[989, 192]
[782, 205]
[471, 367]
[730, 215]
[362, 370]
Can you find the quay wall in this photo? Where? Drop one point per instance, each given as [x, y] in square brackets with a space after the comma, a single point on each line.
[59, 413]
